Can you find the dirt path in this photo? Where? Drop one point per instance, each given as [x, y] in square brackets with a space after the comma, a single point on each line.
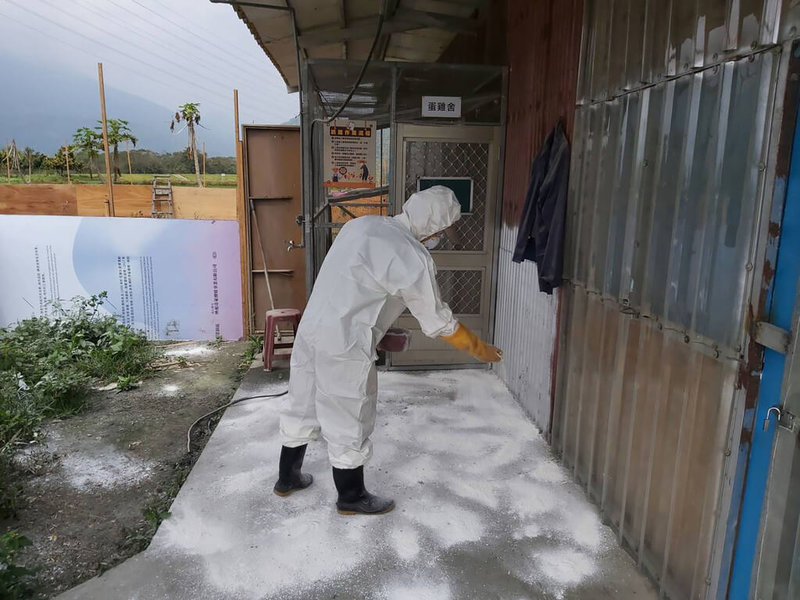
[93, 489]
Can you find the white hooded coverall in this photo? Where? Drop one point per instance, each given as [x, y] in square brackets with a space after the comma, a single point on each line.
[375, 268]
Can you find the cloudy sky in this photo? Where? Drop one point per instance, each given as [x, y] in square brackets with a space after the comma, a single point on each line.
[167, 51]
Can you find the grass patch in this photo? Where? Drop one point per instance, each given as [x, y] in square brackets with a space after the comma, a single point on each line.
[254, 345]
[178, 179]
[47, 367]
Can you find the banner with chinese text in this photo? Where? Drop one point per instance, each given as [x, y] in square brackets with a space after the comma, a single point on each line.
[174, 279]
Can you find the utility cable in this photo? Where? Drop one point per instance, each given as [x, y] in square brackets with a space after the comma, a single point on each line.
[224, 64]
[200, 76]
[228, 405]
[174, 47]
[87, 52]
[108, 47]
[233, 56]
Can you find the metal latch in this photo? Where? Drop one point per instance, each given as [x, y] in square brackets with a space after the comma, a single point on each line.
[772, 337]
[785, 419]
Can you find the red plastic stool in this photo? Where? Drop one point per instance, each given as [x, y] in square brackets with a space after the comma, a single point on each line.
[276, 338]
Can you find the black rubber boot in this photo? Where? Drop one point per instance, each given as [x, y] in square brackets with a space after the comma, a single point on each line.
[354, 499]
[290, 479]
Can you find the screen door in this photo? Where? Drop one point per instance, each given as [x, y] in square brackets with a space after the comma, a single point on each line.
[466, 159]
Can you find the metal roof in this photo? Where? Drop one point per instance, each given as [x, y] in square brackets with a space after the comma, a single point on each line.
[413, 30]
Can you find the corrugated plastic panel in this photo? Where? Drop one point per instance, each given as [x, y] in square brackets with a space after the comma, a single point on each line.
[634, 43]
[525, 328]
[665, 187]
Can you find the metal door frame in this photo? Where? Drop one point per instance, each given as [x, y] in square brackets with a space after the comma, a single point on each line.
[783, 382]
[476, 134]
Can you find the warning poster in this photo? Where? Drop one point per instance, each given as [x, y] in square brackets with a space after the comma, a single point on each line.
[350, 154]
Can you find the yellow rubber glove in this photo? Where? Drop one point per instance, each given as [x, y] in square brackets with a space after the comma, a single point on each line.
[464, 339]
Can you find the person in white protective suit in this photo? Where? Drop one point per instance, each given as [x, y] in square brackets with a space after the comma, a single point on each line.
[376, 267]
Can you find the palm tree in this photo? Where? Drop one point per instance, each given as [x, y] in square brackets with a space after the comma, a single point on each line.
[190, 113]
[90, 142]
[118, 132]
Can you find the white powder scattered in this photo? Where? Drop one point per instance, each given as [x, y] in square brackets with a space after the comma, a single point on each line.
[104, 467]
[482, 492]
[564, 568]
[529, 499]
[584, 526]
[421, 591]
[190, 351]
[549, 472]
[449, 523]
[466, 467]
[189, 528]
[405, 542]
[170, 389]
[531, 530]
[242, 483]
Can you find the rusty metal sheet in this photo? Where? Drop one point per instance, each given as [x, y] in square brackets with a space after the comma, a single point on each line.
[644, 425]
[543, 41]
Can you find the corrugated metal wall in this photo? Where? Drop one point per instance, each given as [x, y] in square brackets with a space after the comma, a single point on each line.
[543, 47]
[666, 196]
[525, 328]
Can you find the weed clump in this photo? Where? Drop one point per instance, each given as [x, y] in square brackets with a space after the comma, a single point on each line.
[48, 364]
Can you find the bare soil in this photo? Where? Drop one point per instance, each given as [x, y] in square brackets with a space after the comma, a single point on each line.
[93, 485]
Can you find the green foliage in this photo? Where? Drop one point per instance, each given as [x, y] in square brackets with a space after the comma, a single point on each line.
[118, 131]
[14, 580]
[47, 365]
[125, 383]
[156, 511]
[58, 162]
[190, 114]
[89, 142]
[254, 345]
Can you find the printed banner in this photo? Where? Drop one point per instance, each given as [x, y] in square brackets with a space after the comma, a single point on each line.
[173, 279]
[350, 154]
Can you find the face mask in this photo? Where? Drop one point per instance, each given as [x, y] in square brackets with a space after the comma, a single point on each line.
[433, 241]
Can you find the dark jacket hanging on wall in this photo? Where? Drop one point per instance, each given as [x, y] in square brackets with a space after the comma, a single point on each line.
[541, 232]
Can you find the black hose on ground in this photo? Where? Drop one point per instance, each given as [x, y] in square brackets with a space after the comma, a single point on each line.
[216, 410]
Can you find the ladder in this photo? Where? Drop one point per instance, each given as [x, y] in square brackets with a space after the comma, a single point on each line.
[162, 197]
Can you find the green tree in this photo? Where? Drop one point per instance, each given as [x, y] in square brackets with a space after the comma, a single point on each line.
[190, 114]
[118, 132]
[89, 142]
[58, 162]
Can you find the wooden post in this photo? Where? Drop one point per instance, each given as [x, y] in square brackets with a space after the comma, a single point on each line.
[242, 217]
[30, 158]
[204, 164]
[66, 157]
[8, 164]
[109, 179]
[128, 152]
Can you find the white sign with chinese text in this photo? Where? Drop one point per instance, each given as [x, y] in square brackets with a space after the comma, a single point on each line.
[443, 107]
[173, 279]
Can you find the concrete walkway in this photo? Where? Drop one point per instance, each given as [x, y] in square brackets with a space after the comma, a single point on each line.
[483, 512]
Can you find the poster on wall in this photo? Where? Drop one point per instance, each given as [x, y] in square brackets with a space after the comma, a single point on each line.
[173, 279]
[350, 154]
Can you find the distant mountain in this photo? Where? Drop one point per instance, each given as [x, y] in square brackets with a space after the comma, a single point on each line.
[42, 106]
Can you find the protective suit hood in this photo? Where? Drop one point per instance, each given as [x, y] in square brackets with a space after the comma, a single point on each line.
[430, 211]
